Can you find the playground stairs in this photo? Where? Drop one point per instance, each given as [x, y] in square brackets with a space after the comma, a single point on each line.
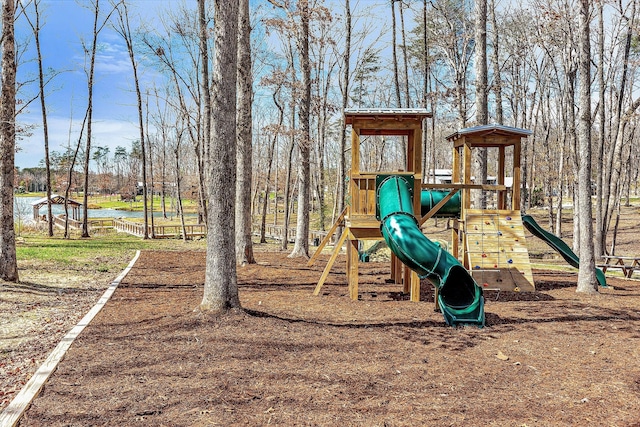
[496, 251]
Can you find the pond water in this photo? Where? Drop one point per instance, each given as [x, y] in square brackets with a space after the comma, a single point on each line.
[23, 210]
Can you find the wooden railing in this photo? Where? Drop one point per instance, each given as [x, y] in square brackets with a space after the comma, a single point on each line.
[160, 231]
[274, 232]
[58, 220]
[277, 232]
[363, 194]
[175, 231]
[101, 223]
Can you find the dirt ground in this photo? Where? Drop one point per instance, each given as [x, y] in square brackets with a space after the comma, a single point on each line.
[549, 358]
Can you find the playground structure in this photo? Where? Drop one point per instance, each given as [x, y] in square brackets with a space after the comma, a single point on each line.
[489, 242]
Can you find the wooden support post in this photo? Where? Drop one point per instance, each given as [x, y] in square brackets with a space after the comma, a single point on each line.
[515, 195]
[397, 275]
[415, 287]
[466, 164]
[352, 268]
[406, 279]
[394, 260]
[501, 172]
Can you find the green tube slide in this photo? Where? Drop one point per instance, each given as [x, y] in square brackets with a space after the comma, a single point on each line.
[459, 297]
[430, 198]
[559, 246]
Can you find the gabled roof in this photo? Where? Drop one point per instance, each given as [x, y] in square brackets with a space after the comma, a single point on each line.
[490, 130]
[55, 200]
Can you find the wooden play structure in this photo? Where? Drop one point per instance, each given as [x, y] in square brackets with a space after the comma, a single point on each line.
[493, 240]
[490, 243]
[359, 217]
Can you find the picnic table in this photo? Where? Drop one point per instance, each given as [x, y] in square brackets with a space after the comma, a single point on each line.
[628, 264]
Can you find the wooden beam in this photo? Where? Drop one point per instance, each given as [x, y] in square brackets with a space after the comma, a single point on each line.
[489, 187]
[437, 207]
[355, 151]
[327, 269]
[515, 195]
[501, 172]
[466, 177]
[326, 239]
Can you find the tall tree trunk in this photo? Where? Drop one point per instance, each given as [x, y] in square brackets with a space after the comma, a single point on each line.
[394, 49]
[301, 245]
[43, 108]
[149, 147]
[495, 60]
[287, 193]
[87, 153]
[599, 242]
[342, 168]
[125, 31]
[244, 246]
[560, 191]
[425, 95]
[587, 281]
[72, 165]
[404, 58]
[8, 260]
[482, 114]
[221, 288]
[614, 160]
[206, 116]
[179, 206]
[270, 155]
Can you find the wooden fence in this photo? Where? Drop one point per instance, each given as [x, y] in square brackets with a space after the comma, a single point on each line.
[277, 232]
[175, 231]
[160, 231]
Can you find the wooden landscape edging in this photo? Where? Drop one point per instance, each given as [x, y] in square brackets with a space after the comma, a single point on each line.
[14, 411]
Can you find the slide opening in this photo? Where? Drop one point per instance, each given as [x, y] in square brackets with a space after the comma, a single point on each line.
[459, 290]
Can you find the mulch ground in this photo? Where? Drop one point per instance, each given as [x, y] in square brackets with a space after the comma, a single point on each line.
[549, 358]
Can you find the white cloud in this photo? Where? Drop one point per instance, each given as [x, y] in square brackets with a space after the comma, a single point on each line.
[106, 133]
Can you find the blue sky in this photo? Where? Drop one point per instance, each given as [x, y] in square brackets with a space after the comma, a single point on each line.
[66, 22]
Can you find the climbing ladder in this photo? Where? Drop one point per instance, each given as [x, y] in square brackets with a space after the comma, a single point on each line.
[495, 250]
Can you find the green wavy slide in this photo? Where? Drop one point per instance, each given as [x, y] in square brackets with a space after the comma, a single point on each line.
[460, 298]
[558, 245]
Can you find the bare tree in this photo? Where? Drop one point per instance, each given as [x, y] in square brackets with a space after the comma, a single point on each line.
[206, 102]
[244, 246]
[35, 28]
[91, 51]
[301, 244]
[482, 114]
[221, 288]
[495, 62]
[394, 45]
[8, 260]
[123, 28]
[587, 281]
[344, 87]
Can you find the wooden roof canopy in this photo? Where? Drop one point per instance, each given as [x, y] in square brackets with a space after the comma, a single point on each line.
[398, 114]
[385, 121]
[55, 200]
[489, 135]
